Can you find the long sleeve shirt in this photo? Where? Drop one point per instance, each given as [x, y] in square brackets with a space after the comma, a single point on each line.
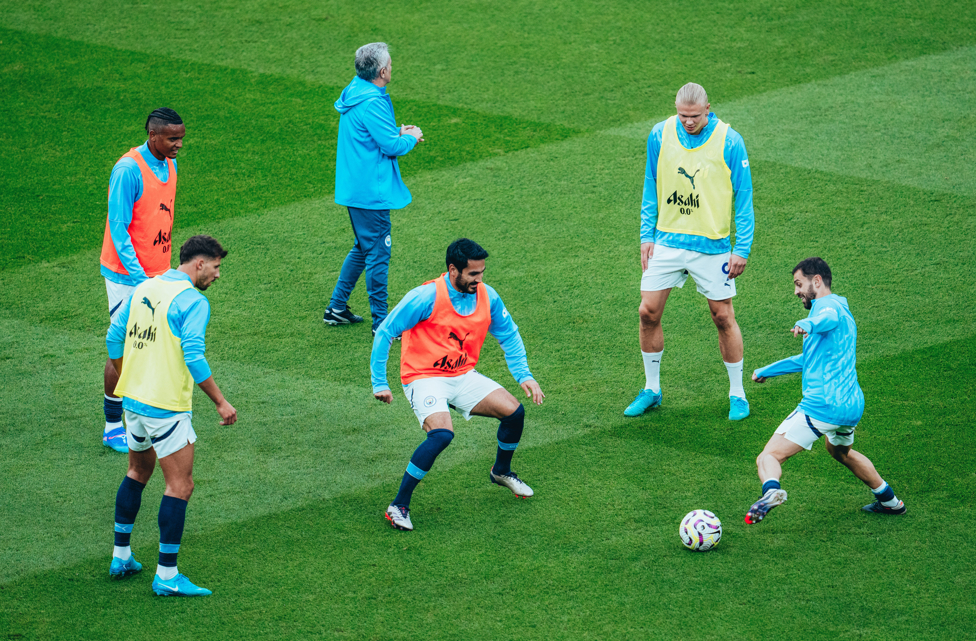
[368, 145]
[188, 316]
[736, 159]
[418, 305]
[124, 189]
[831, 392]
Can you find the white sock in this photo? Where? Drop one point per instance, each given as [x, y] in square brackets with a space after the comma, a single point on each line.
[165, 573]
[652, 370]
[123, 553]
[735, 379]
[880, 488]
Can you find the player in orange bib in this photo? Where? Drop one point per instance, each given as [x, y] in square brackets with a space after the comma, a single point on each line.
[444, 323]
[138, 233]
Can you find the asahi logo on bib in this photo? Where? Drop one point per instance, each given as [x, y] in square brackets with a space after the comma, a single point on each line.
[685, 203]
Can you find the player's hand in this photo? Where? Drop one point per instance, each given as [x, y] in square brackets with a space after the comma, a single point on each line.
[410, 130]
[228, 415]
[758, 379]
[647, 252]
[737, 265]
[798, 331]
[531, 388]
[386, 396]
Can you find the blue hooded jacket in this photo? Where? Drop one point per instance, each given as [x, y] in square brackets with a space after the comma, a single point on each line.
[367, 173]
[830, 390]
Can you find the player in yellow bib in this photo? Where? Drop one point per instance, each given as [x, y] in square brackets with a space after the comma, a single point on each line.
[697, 176]
[160, 331]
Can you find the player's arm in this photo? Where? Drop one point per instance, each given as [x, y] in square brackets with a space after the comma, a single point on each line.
[825, 320]
[385, 132]
[789, 365]
[115, 338]
[745, 216]
[124, 189]
[188, 318]
[415, 307]
[504, 329]
[649, 210]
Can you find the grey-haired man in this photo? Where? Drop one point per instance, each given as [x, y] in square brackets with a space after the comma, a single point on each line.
[368, 180]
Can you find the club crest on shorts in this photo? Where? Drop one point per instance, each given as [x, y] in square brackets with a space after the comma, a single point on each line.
[429, 401]
[389, 240]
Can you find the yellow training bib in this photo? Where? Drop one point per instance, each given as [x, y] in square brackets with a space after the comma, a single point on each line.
[153, 369]
[694, 186]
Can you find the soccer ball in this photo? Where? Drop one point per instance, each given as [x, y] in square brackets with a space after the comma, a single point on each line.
[700, 530]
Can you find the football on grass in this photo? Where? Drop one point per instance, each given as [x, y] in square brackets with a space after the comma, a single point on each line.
[700, 530]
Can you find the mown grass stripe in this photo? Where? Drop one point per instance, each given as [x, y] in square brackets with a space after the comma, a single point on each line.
[882, 124]
[254, 141]
[604, 522]
[584, 65]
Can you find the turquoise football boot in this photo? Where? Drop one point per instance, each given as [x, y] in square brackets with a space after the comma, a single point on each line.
[177, 586]
[115, 439]
[646, 399]
[738, 408]
[120, 569]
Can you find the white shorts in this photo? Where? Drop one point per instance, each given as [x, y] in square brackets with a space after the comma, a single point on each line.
[116, 296]
[440, 393]
[804, 431]
[165, 435]
[670, 267]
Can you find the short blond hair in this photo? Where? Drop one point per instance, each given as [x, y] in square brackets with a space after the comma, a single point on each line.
[691, 94]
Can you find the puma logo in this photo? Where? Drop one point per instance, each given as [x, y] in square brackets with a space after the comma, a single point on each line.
[167, 210]
[460, 341]
[681, 170]
[145, 301]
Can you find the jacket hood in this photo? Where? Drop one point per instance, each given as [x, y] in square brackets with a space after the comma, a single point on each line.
[839, 299]
[356, 92]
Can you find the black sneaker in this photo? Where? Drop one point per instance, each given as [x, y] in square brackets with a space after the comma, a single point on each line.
[878, 508]
[340, 317]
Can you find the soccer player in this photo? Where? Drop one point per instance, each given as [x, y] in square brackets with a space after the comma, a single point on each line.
[832, 401]
[696, 166]
[444, 323]
[163, 358]
[136, 245]
[368, 182]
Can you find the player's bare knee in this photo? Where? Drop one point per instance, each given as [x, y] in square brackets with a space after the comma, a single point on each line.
[724, 319]
[840, 456]
[649, 317]
[182, 489]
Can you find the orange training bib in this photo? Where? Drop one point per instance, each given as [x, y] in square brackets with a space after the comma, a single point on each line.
[151, 228]
[447, 343]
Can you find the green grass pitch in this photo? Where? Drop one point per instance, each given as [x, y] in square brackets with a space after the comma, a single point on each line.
[858, 119]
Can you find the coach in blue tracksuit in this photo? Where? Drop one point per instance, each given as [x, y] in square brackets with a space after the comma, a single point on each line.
[368, 180]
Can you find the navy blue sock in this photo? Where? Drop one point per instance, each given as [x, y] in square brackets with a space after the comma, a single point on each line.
[113, 409]
[172, 516]
[509, 435]
[771, 484]
[886, 494]
[127, 502]
[421, 462]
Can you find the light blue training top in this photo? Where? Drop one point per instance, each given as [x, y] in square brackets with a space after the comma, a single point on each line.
[188, 317]
[367, 171]
[830, 390]
[418, 305]
[737, 160]
[124, 189]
